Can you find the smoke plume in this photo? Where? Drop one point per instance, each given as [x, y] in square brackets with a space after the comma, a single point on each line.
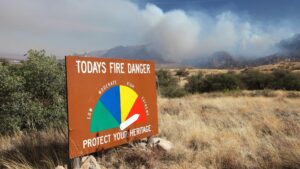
[64, 26]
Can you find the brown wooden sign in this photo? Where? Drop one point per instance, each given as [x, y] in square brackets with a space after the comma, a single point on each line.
[110, 102]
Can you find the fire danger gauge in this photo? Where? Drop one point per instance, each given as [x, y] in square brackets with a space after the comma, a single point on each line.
[110, 102]
[120, 106]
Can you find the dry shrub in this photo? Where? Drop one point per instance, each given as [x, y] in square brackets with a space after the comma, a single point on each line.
[293, 94]
[135, 157]
[38, 150]
[229, 159]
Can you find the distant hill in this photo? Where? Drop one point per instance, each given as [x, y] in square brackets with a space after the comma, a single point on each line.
[290, 45]
[218, 60]
[12, 56]
[223, 60]
[290, 51]
[273, 59]
[141, 52]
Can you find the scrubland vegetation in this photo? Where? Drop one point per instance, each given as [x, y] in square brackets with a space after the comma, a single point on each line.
[208, 131]
[230, 81]
[229, 120]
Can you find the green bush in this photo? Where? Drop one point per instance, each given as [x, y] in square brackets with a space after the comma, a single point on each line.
[255, 80]
[284, 79]
[32, 94]
[168, 85]
[44, 76]
[210, 83]
[221, 82]
[250, 80]
[195, 83]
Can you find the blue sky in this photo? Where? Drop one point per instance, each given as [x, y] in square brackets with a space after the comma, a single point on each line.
[175, 29]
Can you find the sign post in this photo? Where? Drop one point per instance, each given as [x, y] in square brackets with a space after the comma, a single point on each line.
[110, 102]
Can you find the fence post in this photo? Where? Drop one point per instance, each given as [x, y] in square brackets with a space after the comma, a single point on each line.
[75, 163]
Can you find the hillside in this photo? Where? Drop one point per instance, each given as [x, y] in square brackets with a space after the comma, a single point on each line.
[218, 60]
[288, 51]
[293, 66]
[141, 52]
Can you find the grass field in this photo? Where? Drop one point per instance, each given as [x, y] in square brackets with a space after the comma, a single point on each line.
[217, 130]
[233, 132]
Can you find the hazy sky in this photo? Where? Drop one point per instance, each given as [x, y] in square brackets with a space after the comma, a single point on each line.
[175, 29]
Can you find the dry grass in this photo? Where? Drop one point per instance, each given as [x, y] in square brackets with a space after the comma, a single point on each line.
[208, 131]
[34, 150]
[233, 132]
[287, 65]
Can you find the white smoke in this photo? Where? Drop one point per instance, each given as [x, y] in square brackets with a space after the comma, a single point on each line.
[172, 34]
[67, 26]
[177, 35]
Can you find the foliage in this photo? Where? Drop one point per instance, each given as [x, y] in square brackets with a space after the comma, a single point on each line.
[209, 83]
[255, 80]
[287, 80]
[195, 83]
[44, 76]
[221, 82]
[250, 80]
[182, 73]
[168, 85]
[32, 94]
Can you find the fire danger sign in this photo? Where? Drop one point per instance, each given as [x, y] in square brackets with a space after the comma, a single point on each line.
[110, 102]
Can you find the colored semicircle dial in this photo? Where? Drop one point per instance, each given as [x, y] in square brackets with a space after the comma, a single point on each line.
[120, 106]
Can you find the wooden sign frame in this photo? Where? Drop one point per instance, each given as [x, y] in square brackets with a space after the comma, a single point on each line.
[110, 102]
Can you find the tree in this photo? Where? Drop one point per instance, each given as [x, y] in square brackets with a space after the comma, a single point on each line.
[32, 94]
[168, 85]
[255, 80]
[285, 79]
[195, 83]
